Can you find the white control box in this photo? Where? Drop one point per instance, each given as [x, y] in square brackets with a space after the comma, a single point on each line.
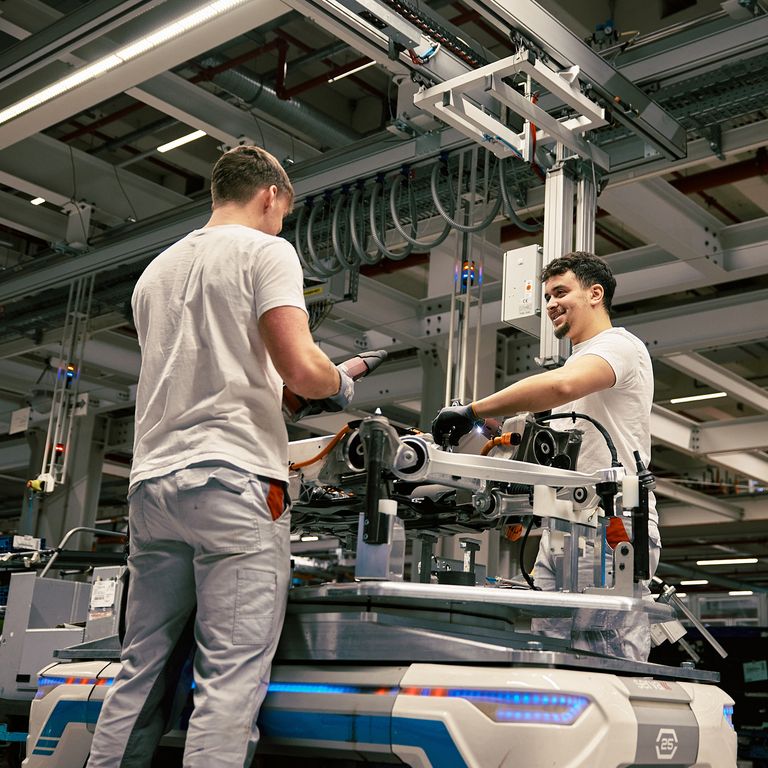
[521, 289]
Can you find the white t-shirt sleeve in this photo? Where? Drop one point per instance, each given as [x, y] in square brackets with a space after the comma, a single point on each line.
[278, 280]
[619, 352]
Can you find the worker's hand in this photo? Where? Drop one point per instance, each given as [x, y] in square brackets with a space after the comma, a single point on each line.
[343, 397]
[453, 422]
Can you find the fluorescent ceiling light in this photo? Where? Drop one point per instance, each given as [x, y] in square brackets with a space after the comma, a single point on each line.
[682, 594]
[310, 538]
[729, 561]
[37, 200]
[351, 71]
[693, 582]
[181, 140]
[741, 592]
[128, 52]
[692, 398]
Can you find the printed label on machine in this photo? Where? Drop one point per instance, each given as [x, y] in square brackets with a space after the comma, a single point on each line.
[103, 594]
[26, 542]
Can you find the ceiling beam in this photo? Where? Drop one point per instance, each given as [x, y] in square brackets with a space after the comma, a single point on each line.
[719, 378]
[710, 323]
[661, 214]
[52, 337]
[745, 434]
[106, 393]
[684, 434]
[672, 429]
[185, 46]
[132, 248]
[734, 141]
[69, 32]
[747, 39]
[386, 310]
[754, 465]
[670, 490]
[71, 174]
[18, 214]
[643, 272]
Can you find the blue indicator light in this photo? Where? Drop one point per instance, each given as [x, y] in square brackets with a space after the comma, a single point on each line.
[728, 715]
[310, 688]
[511, 706]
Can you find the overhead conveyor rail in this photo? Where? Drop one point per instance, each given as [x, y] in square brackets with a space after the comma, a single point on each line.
[396, 28]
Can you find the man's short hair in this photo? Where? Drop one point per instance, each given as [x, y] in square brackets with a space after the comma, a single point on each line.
[589, 270]
[242, 171]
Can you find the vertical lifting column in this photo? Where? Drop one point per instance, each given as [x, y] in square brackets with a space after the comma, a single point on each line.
[67, 487]
[565, 181]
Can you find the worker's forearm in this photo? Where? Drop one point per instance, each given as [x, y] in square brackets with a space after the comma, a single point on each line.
[536, 393]
[316, 378]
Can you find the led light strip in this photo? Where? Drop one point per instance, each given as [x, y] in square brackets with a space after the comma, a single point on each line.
[501, 706]
[121, 56]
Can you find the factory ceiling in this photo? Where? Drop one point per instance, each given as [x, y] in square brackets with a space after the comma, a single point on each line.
[85, 192]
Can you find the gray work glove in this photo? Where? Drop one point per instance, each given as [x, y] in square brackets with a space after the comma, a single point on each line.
[343, 397]
[453, 422]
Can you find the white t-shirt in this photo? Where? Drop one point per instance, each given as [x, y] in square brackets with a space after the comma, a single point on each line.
[208, 390]
[624, 409]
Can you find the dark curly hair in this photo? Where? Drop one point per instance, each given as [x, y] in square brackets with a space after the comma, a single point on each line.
[589, 270]
[242, 171]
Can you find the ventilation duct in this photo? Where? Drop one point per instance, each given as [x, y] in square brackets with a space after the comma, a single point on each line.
[313, 127]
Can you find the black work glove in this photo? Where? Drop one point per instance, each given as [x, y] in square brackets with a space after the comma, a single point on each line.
[453, 422]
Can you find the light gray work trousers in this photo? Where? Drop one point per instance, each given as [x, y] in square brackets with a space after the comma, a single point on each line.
[210, 547]
[623, 635]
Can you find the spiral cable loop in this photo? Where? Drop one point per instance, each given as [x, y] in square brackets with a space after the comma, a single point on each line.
[343, 250]
[393, 192]
[357, 247]
[469, 228]
[373, 209]
[345, 244]
[297, 236]
[320, 268]
[509, 210]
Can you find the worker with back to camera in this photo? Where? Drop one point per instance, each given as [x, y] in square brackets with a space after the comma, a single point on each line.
[608, 377]
[222, 325]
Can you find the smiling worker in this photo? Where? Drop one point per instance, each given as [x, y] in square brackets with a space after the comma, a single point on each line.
[608, 377]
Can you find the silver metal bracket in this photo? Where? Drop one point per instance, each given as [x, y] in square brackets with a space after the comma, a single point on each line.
[623, 570]
[463, 102]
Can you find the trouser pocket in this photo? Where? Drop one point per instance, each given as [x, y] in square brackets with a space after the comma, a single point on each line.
[254, 607]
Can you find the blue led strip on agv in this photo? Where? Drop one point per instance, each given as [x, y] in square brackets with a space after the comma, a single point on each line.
[430, 735]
